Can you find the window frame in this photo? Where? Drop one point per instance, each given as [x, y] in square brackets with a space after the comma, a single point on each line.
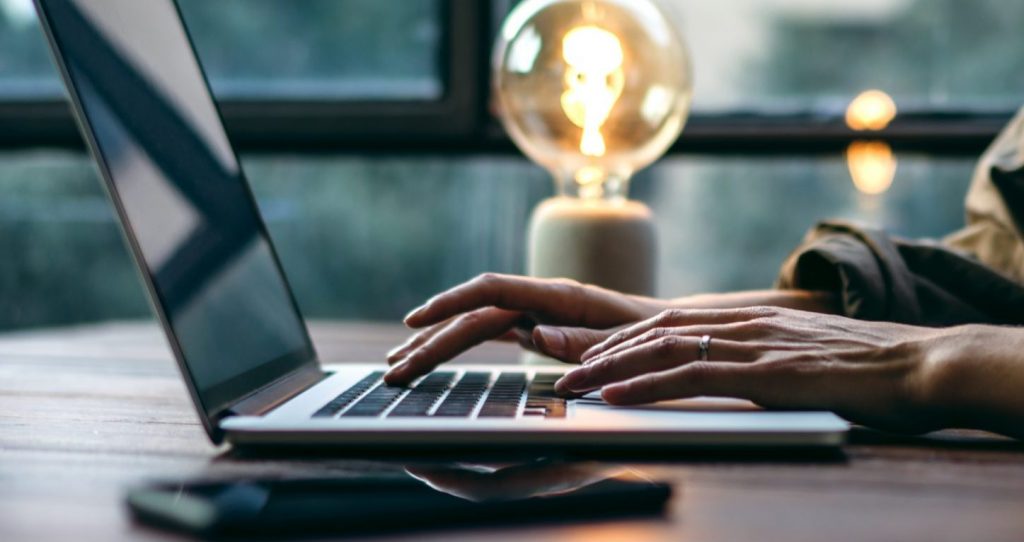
[460, 122]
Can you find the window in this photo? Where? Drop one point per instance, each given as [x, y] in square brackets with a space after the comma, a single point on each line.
[365, 132]
[800, 55]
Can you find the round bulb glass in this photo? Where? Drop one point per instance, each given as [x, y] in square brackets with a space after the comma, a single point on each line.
[592, 90]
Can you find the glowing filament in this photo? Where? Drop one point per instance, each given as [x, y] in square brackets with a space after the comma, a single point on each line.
[593, 83]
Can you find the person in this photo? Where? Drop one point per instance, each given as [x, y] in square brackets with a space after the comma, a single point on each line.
[901, 335]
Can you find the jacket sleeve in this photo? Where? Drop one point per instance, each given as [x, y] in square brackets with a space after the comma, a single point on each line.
[975, 275]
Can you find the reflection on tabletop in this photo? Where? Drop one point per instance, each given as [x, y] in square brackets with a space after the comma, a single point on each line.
[484, 482]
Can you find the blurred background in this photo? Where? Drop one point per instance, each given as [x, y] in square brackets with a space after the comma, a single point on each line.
[365, 130]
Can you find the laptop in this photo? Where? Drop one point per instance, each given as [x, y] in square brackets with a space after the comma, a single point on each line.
[146, 111]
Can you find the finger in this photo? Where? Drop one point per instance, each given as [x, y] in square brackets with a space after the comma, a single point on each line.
[414, 341]
[678, 318]
[739, 331]
[564, 300]
[460, 335]
[523, 337]
[711, 378]
[657, 355]
[567, 343]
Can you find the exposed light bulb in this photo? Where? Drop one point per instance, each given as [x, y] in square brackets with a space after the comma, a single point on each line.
[593, 90]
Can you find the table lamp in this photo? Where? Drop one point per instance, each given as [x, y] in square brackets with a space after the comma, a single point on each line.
[592, 90]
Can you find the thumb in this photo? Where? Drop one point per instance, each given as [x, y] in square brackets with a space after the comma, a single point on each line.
[567, 343]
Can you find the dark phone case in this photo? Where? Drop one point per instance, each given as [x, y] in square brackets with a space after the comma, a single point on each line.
[271, 509]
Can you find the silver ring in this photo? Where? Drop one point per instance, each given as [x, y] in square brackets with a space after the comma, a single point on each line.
[704, 346]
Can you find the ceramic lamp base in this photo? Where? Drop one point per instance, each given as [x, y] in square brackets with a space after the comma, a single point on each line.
[610, 244]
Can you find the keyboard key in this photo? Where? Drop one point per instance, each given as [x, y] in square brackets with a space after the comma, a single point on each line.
[505, 396]
[351, 394]
[376, 402]
[541, 398]
[463, 398]
[419, 401]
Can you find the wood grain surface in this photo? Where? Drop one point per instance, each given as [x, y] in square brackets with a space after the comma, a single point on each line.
[86, 413]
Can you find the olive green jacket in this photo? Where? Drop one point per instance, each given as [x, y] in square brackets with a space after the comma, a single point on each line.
[975, 275]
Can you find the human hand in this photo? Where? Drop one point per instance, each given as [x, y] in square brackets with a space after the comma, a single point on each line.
[493, 306]
[878, 374]
[512, 482]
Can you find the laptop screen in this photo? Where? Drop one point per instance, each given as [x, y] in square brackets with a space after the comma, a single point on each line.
[182, 197]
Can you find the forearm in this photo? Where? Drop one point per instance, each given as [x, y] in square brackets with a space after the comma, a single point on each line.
[977, 379]
[824, 302]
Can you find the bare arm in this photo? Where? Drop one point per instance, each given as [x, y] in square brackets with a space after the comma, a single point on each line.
[824, 302]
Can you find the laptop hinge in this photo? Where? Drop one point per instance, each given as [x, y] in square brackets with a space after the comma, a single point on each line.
[277, 393]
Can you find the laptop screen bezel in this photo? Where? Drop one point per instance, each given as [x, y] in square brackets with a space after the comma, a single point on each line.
[215, 403]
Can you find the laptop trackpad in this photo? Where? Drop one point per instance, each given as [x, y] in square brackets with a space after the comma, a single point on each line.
[695, 404]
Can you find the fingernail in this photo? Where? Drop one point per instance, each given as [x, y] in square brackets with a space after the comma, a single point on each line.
[413, 314]
[410, 316]
[399, 351]
[553, 340]
[591, 352]
[574, 380]
[392, 354]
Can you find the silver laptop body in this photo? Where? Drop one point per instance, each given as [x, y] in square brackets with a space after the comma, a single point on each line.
[145, 108]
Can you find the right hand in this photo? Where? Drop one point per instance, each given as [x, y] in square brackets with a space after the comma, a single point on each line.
[493, 306]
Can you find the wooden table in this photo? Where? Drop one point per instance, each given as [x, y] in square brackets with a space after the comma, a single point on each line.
[86, 413]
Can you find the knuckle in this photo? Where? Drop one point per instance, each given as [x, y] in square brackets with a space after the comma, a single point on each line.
[670, 316]
[650, 335]
[469, 319]
[568, 288]
[487, 279]
[668, 345]
[424, 351]
[616, 338]
[759, 325]
[763, 312]
[698, 372]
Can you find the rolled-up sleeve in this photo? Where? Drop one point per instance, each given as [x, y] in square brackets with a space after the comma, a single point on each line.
[880, 277]
[975, 275]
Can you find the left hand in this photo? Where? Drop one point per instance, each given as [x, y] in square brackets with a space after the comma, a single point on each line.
[873, 373]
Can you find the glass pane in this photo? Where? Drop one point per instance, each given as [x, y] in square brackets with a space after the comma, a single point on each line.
[342, 49]
[369, 238]
[808, 53]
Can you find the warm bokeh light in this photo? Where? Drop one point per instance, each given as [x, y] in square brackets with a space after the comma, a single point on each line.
[872, 166]
[593, 82]
[870, 110]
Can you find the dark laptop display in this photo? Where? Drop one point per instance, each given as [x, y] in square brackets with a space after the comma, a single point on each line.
[193, 223]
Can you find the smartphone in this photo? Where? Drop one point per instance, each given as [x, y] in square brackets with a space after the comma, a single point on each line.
[273, 508]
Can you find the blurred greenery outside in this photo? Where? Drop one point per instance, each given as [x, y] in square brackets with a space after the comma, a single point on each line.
[367, 238]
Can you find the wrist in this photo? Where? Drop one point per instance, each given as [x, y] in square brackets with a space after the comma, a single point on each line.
[973, 376]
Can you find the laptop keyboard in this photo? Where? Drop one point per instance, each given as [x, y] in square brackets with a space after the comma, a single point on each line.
[448, 394]
[420, 399]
